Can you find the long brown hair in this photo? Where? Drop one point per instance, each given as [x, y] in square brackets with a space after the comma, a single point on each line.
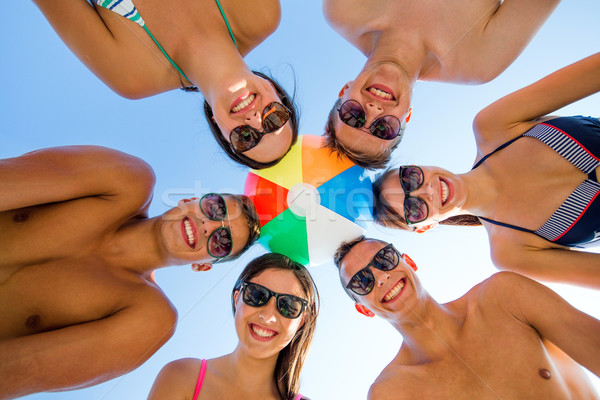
[291, 359]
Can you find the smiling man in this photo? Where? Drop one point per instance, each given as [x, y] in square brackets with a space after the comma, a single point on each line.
[498, 341]
[461, 41]
[78, 299]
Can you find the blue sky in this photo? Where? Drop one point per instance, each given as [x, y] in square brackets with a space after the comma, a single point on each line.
[48, 98]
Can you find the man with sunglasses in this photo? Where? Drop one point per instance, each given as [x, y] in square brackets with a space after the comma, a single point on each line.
[405, 41]
[77, 257]
[509, 337]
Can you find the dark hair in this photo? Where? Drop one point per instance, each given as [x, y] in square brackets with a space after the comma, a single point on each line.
[339, 255]
[385, 215]
[286, 100]
[291, 359]
[249, 213]
[364, 160]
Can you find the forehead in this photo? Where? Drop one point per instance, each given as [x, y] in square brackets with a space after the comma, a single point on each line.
[237, 223]
[280, 281]
[358, 257]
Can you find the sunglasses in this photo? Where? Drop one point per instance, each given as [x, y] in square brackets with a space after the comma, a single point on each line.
[289, 306]
[415, 209]
[363, 281]
[244, 137]
[352, 114]
[220, 242]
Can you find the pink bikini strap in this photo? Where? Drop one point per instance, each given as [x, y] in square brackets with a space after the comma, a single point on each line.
[200, 380]
[298, 397]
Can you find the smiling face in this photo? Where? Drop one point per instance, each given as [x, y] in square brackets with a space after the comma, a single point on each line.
[381, 89]
[185, 231]
[442, 191]
[263, 332]
[394, 292]
[243, 103]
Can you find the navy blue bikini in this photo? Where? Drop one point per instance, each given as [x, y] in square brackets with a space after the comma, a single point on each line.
[576, 223]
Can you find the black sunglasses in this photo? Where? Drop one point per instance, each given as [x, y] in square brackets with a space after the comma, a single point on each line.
[415, 208]
[352, 114]
[288, 305]
[243, 138]
[363, 281]
[220, 241]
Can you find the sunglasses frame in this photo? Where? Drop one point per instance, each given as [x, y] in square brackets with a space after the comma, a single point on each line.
[222, 220]
[372, 128]
[408, 196]
[303, 302]
[262, 133]
[369, 273]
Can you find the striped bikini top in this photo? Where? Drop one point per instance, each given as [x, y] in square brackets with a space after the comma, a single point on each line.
[576, 223]
[126, 9]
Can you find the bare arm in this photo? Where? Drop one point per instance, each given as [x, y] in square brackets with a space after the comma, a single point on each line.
[500, 121]
[176, 380]
[86, 354]
[66, 173]
[574, 332]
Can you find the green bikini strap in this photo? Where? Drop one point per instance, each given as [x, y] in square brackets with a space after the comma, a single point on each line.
[165, 53]
[226, 22]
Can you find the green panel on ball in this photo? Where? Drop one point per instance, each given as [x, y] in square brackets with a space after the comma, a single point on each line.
[286, 234]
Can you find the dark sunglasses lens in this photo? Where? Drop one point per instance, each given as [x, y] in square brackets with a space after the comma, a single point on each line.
[244, 138]
[255, 295]
[213, 206]
[220, 243]
[411, 178]
[275, 115]
[352, 114]
[386, 127]
[362, 282]
[289, 306]
[415, 210]
[386, 259]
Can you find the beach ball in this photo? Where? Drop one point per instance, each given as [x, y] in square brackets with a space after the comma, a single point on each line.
[310, 202]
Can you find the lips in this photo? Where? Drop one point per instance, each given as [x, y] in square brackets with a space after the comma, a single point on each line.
[381, 92]
[189, 232]
[446, 191]
[243, 103]
[261, 333]
[394, 292]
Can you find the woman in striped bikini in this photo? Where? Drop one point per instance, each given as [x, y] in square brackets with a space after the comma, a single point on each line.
[178, 45]
[534, 185]
[275, 305]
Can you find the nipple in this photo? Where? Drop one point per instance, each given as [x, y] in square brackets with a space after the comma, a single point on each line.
[20, 217]
[544, 373]
[33, 321]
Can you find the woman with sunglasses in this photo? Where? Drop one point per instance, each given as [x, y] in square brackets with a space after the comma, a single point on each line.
[275, 305]
[144, 49]
[534, 185]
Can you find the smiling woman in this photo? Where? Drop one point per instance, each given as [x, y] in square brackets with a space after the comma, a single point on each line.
[275, 303]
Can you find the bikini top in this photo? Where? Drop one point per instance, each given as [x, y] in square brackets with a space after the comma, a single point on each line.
[200, 381]
[576, 223]
[126, 9]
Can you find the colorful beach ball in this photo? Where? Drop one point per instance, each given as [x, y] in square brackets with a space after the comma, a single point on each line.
[310, 202]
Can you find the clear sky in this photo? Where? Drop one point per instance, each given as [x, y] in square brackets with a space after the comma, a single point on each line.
[48, 98]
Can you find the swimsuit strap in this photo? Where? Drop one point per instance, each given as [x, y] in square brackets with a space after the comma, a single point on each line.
[518, 228]
[226, 23]
[497, 149]
[200, 380]
[298, 397]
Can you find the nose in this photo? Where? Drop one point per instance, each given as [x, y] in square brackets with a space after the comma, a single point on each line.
[268, 311]
[373, 110]
[254, 119]
[382, 277]
[425, 191]
[209, 226]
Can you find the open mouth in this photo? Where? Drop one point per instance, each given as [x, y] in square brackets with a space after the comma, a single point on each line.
[262, 333]
[394, 292]
[444, 191]
[381, 92]
[189, 232]
[243, 103]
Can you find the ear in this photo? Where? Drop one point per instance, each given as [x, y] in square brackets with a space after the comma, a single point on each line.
[236, 294]
[201, 267]
[364, 310]
[408, 115]
[425, 228]
[346, 86]
[409, 261]
[183, 201]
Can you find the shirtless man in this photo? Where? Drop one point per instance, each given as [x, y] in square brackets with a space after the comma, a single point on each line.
[78, 299]
[509, 337]
[462, 41]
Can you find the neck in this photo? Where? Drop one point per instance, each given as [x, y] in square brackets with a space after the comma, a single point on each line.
[481, 192]
[255, 375]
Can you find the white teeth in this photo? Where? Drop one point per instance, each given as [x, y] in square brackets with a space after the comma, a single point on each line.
[381, 93]
[445, 191]
[262, 332]
[189, 232]
[244, 103]
[394, 292]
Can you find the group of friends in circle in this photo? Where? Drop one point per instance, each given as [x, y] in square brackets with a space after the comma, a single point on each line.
[534, 187]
